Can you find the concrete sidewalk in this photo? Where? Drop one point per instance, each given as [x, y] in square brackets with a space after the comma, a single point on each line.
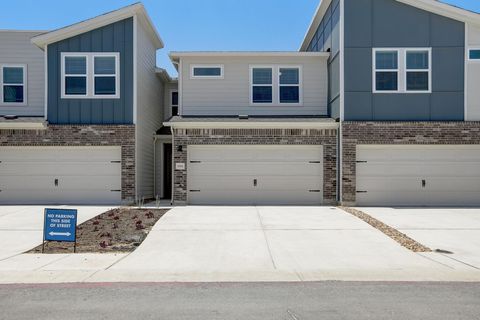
[232, 244]
[453, 229]
[21, 226]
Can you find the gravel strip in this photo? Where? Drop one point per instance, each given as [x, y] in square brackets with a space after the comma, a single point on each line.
[396, 235]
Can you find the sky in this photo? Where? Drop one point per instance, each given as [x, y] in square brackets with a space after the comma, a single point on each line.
[189, 25]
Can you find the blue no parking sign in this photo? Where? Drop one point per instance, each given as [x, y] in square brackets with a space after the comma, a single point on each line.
[60, 225]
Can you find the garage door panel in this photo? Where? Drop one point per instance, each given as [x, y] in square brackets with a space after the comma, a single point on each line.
[226, 174]
[418, 175]
[85, 175]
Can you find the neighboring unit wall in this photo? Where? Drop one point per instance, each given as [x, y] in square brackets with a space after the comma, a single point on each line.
[83, 135]
[149, 112]
[16, 48]
[391, 24]
[473, 75]
[230, 96]
[116, 37]
[327, 38]
[398, 133]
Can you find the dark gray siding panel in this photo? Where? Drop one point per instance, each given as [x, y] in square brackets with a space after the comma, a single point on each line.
[388, 23]
[116, 37]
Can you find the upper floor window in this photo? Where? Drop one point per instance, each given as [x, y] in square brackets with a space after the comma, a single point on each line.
[174, 102]
[402, 70]
[13, 84]
[474, 54]
[91, 75]
[275, 85]
[206, 72]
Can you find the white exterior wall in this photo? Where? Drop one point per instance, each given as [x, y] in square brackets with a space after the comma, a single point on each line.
[231, 95]
[149, 112]
[472, 75]
[16, 48]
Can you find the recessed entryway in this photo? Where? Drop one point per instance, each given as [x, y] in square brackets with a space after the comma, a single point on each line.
[60, 175]
[256, 174]
[412, 175]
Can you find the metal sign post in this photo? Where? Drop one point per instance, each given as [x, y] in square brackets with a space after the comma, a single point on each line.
[60, 225]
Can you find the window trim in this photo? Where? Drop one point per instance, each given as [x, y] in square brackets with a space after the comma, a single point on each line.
[25, 97]
[194, 66]
[300, 85]
[401, 70]
[90, 75]
[260, 66]
[276, 84]
[429, 70]
[468, 54]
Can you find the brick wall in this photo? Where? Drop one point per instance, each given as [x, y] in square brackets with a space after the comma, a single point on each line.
[88, 135]
[327, 138]
[355, 133]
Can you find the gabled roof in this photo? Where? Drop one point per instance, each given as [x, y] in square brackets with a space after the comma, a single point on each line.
[136, 9]
[434, 6]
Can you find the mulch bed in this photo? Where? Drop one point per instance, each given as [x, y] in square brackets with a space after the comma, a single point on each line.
[396, 235]
[117, 230]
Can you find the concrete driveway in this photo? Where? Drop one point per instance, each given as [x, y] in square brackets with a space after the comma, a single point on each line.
[454, 230]
[273, 243]
[21, 226]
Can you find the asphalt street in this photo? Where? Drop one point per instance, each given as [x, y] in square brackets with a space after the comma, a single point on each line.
[291, 301]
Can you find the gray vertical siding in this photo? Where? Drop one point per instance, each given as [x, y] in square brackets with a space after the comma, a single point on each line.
[116, 37]
[327, 38]
[388, 23]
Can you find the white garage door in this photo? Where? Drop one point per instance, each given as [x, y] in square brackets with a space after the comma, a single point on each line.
[60, 175]
[424, 175]
[255, 175]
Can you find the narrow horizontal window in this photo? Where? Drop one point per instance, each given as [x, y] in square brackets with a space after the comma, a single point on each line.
[13, 84]
[474, 54]
[90, 75]
[210, 72]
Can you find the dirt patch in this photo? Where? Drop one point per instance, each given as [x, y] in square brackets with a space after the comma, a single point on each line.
[396, 235]
[117, 230]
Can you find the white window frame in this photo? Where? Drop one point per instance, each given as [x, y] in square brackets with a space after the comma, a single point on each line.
[299, 85]
[276, 84]
[468, 54]
[262, 85]
[429, 70]
[17, 104]
[194, 66]
[401, 70]
[90, 58]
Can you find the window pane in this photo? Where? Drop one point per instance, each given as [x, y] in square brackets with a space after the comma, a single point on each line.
[104, 65]
[13, 94]
[262, 94]
[175, 111]
[174, 98]
[75, 65]
[76, 85]
[386, 81]
[289, 94]
[262, 76]
[387, 60]
[289, 76]
[417, 60]
[417, 81]
[105, 85]
[12, 75]
[207, 72]
[475, 54]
